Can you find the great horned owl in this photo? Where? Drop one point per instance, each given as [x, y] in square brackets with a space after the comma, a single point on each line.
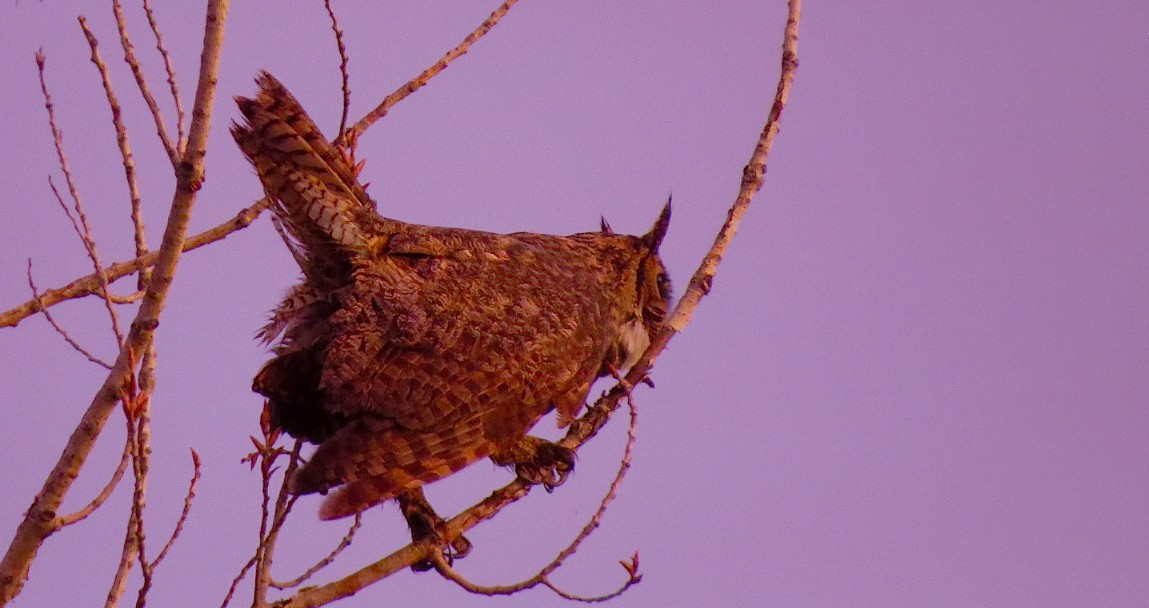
[408, 352]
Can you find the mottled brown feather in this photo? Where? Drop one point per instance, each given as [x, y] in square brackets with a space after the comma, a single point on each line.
[409, 351]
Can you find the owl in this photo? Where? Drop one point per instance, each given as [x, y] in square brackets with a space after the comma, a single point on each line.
[408, 352]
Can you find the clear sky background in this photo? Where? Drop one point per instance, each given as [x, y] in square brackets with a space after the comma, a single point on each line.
[922, 377]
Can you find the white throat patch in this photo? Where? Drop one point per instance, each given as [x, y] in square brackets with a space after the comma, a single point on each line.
[634, 340]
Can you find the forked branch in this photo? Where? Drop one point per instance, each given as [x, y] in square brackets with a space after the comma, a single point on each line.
[543, 575]
[90, 284]
[174, 153]
[38, 522]
[124, 146]
[79, 219]
[352, 133]
[171, 72]
[87, 285]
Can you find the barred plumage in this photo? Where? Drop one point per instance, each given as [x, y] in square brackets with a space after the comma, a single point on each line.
[409, 351]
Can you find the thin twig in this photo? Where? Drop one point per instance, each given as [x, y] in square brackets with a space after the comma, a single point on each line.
[60, 330]
[183, 514]
[267, 451]
[171, 72]
[353, 132]
[343, 73]
[139, 405]
[326, 561]
[124, 145]
[128, 299]
[84, 232]
[67, 210]
[83, 229]
[90, 284]
[36, 524]
[117, 475]
[174, 153]
[611, 494]
[542, 577]
[127, 561]
[236, 581]
[753, 176]
[599, 414]
[259, 586]
[598, 598]
[283, 504]
[128, 550]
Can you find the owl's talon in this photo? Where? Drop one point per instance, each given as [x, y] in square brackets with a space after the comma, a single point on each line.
[429, 529]
[456, 549]
[549, 466]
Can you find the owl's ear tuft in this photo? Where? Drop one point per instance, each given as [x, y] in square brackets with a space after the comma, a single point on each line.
[653, 238]
[606, 229]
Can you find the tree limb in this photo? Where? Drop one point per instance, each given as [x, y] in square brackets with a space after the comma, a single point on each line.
[39, 521]
[352, 133]
[90, 284]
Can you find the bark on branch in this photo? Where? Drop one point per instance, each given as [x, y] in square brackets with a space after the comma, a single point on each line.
[41, 519]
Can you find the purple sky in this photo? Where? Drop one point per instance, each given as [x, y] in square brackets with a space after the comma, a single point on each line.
[922, 378]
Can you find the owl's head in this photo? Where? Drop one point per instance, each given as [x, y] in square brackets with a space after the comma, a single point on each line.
[653, 282]
[645, 293]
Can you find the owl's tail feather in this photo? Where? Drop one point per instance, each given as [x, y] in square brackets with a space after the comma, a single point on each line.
[319, 201]
[357, 496]
[373, 460]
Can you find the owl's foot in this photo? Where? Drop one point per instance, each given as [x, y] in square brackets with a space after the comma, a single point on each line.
[538, 461]
[613, 371]
[428, 528]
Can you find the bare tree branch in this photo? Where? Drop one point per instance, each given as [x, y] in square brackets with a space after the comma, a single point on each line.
[60, 330]
[753, 176]
[83, 228]
[171, 72]
[117, 475]
[542, 577]
[40, 521]
[188, 498]
[351, 134]
[283, 504]
[174, 153]
[128, 299]
[149, 568]
[344, 75]
[90, 284]
[124, 145]
[237, 580]
[326, 561]
[87, 285]
[128, 549]
[140, 408]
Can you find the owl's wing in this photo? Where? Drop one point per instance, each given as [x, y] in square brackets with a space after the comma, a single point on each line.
[447, 352]
[374, 459]
[505, 330]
